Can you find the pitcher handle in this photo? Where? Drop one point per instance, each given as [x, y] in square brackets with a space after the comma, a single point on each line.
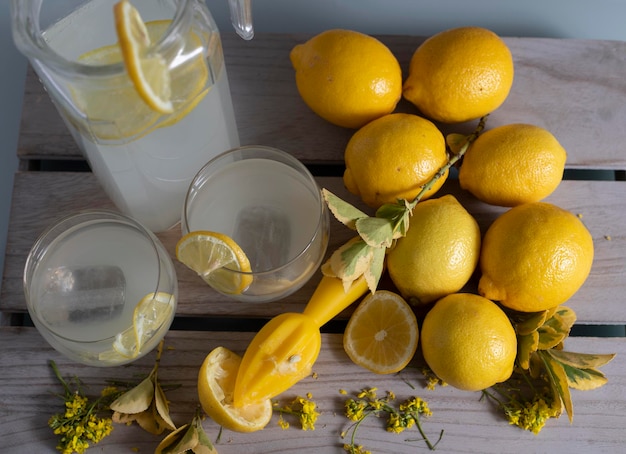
[241, 17]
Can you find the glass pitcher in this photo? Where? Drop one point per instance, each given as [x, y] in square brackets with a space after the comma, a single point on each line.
[143, 159]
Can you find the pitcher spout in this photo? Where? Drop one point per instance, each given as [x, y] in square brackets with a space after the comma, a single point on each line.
[241, 17]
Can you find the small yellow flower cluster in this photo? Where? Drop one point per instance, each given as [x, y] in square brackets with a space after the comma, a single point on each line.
[304, 408]
[79, 425]
[531, 416]
[368, 403]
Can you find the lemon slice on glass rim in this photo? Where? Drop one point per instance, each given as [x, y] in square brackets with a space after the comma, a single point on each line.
[217, 259]
[148, 72]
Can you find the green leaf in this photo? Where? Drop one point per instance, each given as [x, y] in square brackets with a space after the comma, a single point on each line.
[135, 400]
[526, 346]
[351, 260]
[558, 378]
[532, 323]
[375, 270]
[162, 406]
[376, 232]
[399, 214]
[584, 379]
[581, 360]
[550, 337]
[204, 445]
[343, 211]
[184, 441]
[567, 317]
[456, 141]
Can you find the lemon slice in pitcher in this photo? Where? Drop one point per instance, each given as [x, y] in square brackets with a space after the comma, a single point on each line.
[216, 258]
[148, 72]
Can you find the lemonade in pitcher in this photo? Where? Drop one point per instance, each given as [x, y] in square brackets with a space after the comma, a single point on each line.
[143, 91]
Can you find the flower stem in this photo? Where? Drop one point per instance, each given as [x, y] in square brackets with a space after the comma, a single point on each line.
[431, 446]
[57, 373]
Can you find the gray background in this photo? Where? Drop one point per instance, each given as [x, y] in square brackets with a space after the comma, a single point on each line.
[598, 19]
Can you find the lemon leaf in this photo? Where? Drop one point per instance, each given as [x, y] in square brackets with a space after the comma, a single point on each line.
[567, 317]
[558, 379]
[169, 444]
[184, 441]
[376, 232]
[375, 270]
[550, 337]
[342, 210]
[584, 379]
[456, 141]
[162, 408]
[204, 445]
[581, 360]
[399, 214]
[532, 323]
[351, 260]
[136, 400]
[526, 346]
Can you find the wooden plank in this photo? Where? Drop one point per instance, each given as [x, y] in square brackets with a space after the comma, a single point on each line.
[27, 400]
[601, 204]
[574, 88]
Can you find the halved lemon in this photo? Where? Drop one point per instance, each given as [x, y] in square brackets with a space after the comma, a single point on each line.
[148, 72]
[151, 312]
[216, 384]
[382, 333]
[216, 258]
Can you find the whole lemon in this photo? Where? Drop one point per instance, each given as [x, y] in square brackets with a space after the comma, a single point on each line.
[460, 74]
[439, 253]
[392, 157]
[534, 257]
[469, 342]
[346, 77]
[513, 164]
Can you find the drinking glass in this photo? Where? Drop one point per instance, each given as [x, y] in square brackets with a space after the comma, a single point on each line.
[271, 206]
[143, 159]
[84, 279]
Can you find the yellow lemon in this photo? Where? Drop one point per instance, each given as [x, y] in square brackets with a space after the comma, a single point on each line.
[392, 157]
[382, 333]
[346, 77]
[216, 384]
[513, 164]
[469, 342]
[459, 74]
[439, 253]
[534, 257]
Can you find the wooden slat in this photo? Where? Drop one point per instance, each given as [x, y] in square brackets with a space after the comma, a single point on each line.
[470, 425]
[574, 88]
[601, 204]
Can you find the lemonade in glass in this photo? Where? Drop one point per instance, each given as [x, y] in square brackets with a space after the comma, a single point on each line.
[143, 153]
[100, 288]
[265, 204]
